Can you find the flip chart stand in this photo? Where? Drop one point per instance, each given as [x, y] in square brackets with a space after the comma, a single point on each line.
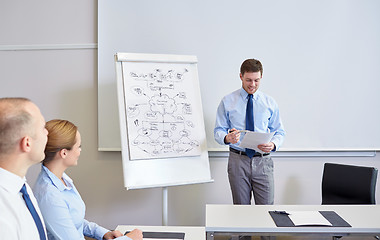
[164, 206]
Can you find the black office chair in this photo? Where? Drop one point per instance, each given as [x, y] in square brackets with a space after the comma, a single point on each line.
[347, 184]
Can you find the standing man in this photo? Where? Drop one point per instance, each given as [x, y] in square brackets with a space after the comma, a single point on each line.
[22, 142]
[249, 109]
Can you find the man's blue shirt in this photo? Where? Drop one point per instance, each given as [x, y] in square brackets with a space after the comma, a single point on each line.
[231, 114]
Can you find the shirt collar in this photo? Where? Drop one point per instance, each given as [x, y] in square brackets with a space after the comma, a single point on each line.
[10, 181]
[57, 182]
[244, 94]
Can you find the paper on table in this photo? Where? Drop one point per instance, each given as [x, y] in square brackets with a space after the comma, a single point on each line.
[304, 218]
[253, 139]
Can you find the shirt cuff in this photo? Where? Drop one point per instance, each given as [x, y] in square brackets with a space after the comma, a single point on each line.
[99, 232]
[275, 146]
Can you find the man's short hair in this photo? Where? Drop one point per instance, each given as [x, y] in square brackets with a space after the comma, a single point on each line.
[251, 65]
[14, 122]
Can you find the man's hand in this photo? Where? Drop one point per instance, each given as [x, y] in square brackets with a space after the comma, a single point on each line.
[135, 234]
[232, 137]
[267, 147]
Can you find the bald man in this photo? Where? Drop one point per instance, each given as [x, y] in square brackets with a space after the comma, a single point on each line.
[22, 142]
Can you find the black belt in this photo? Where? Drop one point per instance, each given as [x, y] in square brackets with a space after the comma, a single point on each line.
[257, 154]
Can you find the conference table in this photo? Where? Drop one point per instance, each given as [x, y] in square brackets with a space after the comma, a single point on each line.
[191, 233]
[255, 220]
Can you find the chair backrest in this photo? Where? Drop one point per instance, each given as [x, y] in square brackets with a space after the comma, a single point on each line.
[347, 184]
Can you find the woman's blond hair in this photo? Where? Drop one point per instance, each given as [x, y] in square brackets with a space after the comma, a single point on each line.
[62, 135]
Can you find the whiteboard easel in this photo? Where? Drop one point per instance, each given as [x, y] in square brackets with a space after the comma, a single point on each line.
[146, 170]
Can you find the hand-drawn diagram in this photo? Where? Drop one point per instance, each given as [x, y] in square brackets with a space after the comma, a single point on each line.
[161, 119]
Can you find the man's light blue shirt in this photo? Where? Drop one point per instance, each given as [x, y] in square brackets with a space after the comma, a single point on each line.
[63, 209]
[232, 111]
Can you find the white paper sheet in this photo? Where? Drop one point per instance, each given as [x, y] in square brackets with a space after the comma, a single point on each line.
[304, 218]
[253, 139]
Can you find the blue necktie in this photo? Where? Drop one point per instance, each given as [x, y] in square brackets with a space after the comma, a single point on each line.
[33, 211]
[249, 123]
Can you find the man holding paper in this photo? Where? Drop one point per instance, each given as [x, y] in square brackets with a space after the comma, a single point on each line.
[245, 109]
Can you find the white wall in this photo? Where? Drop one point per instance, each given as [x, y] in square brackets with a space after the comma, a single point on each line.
[63, 83]
[320, 61]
